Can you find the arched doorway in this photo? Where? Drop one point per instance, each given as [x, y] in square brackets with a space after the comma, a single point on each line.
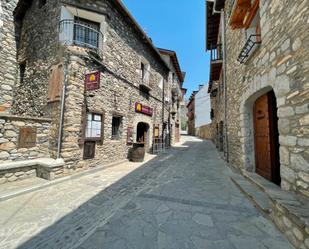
[142, 134]
[266, 137]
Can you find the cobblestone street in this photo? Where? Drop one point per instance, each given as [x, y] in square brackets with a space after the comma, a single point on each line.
[183, 199]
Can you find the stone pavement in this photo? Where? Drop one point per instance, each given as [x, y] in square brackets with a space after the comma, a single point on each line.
[181, 200]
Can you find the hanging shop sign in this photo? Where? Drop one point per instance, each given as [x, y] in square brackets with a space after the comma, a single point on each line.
[92, 81]
[140, 108]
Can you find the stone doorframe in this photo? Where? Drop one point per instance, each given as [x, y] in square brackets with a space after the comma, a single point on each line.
[256, 88]
[140, 118]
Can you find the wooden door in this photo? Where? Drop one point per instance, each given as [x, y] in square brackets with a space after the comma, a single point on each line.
[266, 138]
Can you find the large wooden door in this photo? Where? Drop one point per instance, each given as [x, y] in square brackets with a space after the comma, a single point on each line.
[266, 138]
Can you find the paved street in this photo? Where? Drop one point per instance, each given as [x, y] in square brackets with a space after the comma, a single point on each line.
[184, 199]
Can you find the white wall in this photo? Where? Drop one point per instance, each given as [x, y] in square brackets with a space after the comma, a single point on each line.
[202, 107]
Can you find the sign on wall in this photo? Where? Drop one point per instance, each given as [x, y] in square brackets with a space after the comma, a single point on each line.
[140, 108]
[92, 81]
[156, 132]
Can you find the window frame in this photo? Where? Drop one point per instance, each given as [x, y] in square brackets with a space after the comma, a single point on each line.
[89, 139]
[86, 40]
[119, 135]
[144, 92]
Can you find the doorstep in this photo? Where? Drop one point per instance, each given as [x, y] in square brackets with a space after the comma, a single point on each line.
[289, 211]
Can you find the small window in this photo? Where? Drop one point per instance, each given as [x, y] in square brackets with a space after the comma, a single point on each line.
[94, 126]
[42, 3]
[142, 70]
[145, 72]
[116, 128]
[161, 83]
[86, 33]
[22, 70]
[144, 91]
[89, 150]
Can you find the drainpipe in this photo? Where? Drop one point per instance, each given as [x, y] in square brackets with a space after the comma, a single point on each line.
[224, 83]
[60, 131]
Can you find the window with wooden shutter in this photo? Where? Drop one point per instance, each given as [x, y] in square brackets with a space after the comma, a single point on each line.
[55, 83]
[27, 137]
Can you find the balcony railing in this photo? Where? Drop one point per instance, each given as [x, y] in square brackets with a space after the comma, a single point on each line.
[72, 32]
[250, 46]
[216, 53]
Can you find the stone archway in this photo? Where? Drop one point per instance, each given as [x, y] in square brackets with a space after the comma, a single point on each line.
[148, 121]
[142, 134]
[246, 124]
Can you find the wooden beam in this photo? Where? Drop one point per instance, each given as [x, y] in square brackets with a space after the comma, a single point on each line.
[252, 14]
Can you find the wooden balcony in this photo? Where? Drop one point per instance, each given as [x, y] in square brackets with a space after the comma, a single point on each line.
[216, 60]
[239, 12]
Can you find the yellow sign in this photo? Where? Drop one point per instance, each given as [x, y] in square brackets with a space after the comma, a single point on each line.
[156, 131]
[139, 107]
[92, 77]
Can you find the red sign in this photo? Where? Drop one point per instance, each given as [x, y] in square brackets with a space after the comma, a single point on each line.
[143, 109]
[92, 81]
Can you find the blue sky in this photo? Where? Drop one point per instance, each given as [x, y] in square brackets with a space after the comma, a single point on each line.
[177, 25]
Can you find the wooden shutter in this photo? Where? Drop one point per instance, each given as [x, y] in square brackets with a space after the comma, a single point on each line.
[27, 137]
[89, 150]
[55, 83]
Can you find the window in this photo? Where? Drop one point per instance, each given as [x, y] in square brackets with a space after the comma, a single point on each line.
[42, 3]
[94, 126]
[55, 83]
[144, 91]
[22, 70]
[86, 33]
[116, 128]
[145, 70]
[161, 82]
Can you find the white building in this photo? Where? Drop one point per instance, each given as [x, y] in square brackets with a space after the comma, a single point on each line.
[202, 107]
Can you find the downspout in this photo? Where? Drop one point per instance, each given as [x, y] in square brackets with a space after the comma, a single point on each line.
[64, 87]
[224, 83]
[163, 94]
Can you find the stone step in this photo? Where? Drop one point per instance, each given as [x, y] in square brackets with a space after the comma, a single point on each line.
[289, 211]
[255, 194]
[261, 182]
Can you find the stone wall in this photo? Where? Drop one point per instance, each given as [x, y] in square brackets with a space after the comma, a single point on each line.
[17, 174]
[205, 131]
[9, 135]
[281, 64]
[29, 39]
[8, 64]
[124, 51]
[217, 105]
[38, 50]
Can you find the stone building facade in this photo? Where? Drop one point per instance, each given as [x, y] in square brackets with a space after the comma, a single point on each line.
[191, 114]
[87, 74]
[175, 94]
[262, 47]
